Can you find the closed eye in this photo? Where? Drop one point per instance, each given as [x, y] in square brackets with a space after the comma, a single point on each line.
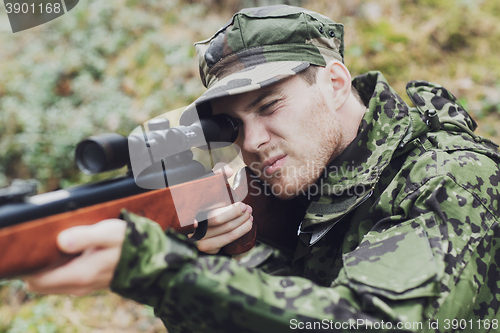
[269, 107]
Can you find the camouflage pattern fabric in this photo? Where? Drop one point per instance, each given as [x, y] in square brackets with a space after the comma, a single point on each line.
[405, 232]
[253, 50]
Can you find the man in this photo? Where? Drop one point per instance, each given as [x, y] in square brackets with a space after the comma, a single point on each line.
[402, 202]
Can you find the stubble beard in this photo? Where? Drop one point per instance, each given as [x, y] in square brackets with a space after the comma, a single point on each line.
[325, 131]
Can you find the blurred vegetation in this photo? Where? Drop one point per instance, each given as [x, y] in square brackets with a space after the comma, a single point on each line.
[108, 66]
[22, 312]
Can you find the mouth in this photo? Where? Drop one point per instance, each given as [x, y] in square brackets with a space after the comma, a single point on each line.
[271, 165]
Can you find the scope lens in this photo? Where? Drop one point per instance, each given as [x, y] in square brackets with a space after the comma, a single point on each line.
[101, 153]
[92, 157]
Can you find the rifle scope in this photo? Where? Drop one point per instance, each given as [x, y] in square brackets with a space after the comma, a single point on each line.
[110, 151]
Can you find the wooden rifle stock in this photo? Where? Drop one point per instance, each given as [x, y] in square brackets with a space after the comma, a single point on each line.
[275, 221]
[31, 246]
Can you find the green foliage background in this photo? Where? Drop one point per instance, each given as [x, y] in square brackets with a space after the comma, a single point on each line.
[108, 66]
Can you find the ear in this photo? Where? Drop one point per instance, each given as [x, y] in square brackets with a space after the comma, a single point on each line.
[336, 83]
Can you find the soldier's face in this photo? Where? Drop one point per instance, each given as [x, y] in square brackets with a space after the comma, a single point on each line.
[288, 133]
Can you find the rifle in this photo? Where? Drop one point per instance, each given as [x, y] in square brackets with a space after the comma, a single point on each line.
[29, 225]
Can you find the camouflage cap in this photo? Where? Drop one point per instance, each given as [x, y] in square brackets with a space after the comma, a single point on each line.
[263, 45]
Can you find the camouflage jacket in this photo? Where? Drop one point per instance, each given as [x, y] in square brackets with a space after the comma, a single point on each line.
[402, 237]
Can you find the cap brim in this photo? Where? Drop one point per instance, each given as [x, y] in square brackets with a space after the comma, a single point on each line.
[253, 78]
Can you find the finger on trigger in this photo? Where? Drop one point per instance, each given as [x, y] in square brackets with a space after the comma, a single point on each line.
[212, 245]
[226, 214]
[227, 227]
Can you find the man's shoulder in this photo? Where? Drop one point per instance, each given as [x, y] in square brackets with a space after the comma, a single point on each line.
[466, 172]
[453, 153]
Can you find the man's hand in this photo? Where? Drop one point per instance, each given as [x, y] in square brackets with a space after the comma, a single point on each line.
[225, 224]
[100, 246]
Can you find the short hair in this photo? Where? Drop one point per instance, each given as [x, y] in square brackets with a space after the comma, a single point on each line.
[309, 75]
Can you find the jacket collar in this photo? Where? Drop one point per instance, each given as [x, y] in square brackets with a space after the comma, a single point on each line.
[387, 127]
[351, 177]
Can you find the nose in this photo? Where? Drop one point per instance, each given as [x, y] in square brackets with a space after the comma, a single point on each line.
[256, 135]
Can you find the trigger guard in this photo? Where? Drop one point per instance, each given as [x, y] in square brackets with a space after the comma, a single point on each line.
[201, 231]
[202, 228]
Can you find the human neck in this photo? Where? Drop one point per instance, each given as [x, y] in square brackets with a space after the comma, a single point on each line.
[350, 115]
